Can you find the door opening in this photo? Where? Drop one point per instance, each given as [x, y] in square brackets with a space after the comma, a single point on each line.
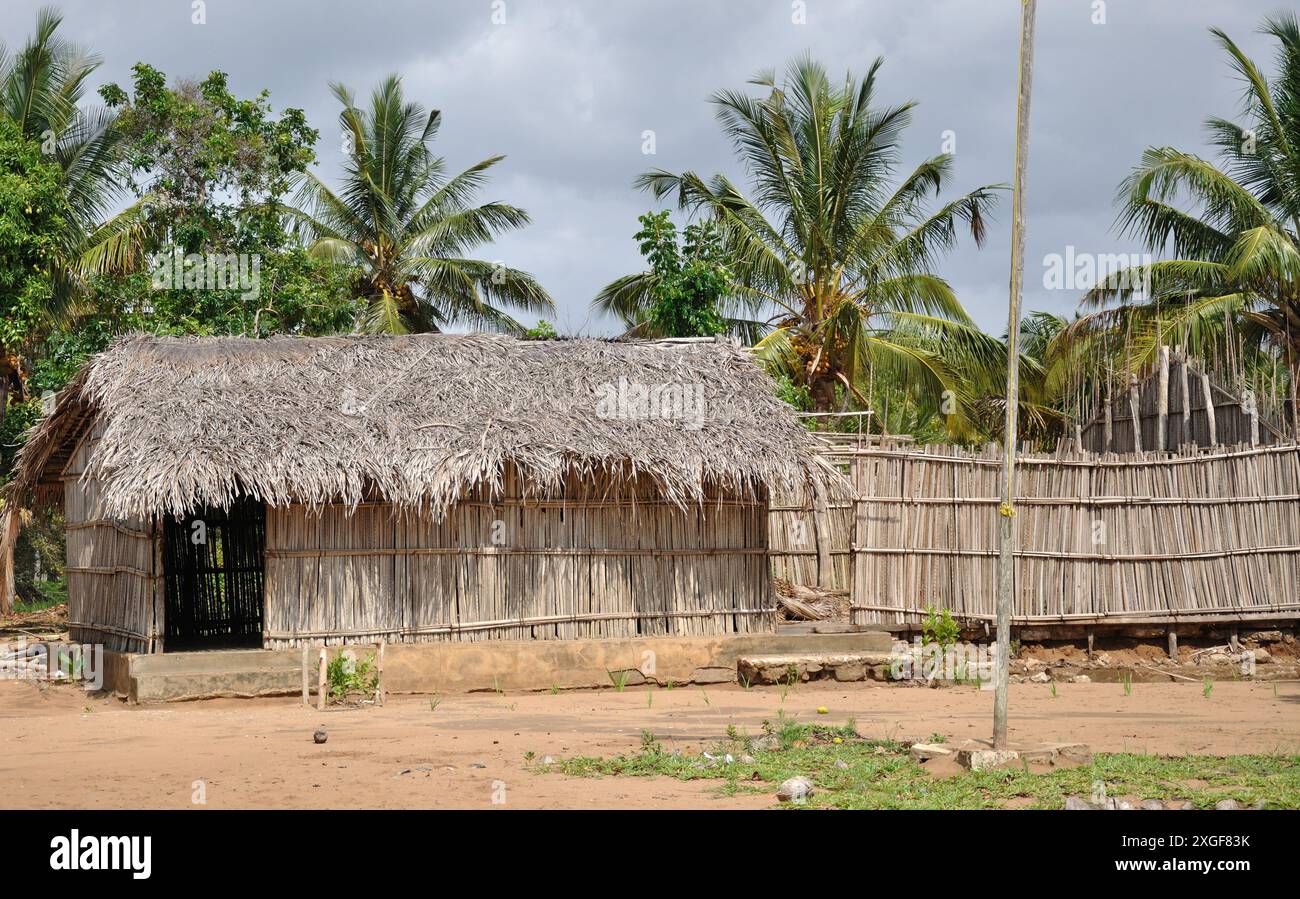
[214, 564]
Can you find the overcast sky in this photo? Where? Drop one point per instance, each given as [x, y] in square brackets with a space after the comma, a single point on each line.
[566, 89]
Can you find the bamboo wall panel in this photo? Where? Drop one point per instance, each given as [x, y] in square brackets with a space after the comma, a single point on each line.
[596, 560]
[1150, 536]
[110, 566]
[795, 540]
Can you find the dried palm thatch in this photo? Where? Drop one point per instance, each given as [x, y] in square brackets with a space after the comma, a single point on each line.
[416, 421]
[796, 602]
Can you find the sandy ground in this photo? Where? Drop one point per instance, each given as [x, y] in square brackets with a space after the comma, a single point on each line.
[61, 749]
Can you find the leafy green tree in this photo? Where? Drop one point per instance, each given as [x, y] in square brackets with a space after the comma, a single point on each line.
[210, 168]
[687, 281]
[41, 89]
[406, 228]
[844, 257]
[33, 233]
[543, 330]
[1232, 287]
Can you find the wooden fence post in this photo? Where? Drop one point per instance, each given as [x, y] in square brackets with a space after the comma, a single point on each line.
[379, 675]
[1162, 402]
[1208, 392]
[306, 686]
[320, 681]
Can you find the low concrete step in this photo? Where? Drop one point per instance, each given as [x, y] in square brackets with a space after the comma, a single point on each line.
[171, 686]
[216, 661]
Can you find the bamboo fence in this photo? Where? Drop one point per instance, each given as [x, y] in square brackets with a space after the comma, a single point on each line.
[1100, 538]
[1176, 404]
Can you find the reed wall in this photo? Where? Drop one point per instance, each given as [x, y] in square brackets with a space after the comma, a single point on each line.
[111, 566]
[809, 549]
[597, 559]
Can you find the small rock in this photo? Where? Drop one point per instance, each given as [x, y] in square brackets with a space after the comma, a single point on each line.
[1075, 804]
[1226, 805]
[477, 765]
[765, 743]
[1041, 677]
[714, 675]
[548, 760]
[1266, 637]
[850, 671]
[1262, 656]
[1033, 664]
[320, 736]
[403, 771]
[747, 759]
[1081, 679]
[1152, 805]
[796, 790]
[1178, 805]
[923, 752]
[1079, 753]
[1102, 661]
[983, 759]
[841, 764]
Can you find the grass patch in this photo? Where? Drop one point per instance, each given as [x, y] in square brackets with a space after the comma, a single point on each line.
[880, 774]
[53, 593]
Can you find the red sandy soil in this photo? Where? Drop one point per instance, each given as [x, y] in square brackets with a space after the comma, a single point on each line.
[62, 749]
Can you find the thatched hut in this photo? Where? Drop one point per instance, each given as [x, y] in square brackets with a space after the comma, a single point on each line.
[228, 491]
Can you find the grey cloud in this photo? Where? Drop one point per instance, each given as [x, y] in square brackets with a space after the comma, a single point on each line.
[566, 87]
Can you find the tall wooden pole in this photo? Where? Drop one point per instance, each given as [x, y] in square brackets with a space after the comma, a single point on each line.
[1006, 511]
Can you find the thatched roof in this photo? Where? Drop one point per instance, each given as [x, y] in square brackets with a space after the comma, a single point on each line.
[414, 420]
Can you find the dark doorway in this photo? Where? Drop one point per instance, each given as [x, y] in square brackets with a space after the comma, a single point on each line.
[214, 562]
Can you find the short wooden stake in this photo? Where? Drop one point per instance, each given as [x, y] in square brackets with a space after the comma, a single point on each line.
[1173, 644]
[379, 675]
[306, 684]
[320, 681]
[1089, 646]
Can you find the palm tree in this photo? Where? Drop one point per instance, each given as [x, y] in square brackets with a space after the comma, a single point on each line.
[406, 227]
[844, 258]
[41, 88]
[1232, 287]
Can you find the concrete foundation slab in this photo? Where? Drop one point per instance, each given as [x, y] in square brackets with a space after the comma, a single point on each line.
[469, 667]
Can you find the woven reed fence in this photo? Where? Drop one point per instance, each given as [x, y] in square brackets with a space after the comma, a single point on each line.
[597, 560]
[811, 548]
[1175, 404]
[1127, 539]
